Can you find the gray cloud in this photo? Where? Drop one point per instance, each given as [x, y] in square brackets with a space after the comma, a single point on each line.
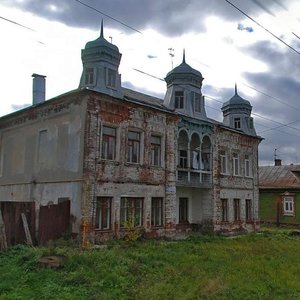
[172, 17]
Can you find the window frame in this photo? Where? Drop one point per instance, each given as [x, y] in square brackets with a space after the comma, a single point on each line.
[223, 162]
[197, 103]
[179, 100]
[224, 210]
[157, 212]
[183, 213]
[131, 206]
[101, 213]
[236, 209]
[288, 200]
[237, 122]
[132, 143]
[111, 78]
[89, 76]
[235, 164]
[248, 166]
[154, 148]
[248, 210]
[107, 138]
[183, 159]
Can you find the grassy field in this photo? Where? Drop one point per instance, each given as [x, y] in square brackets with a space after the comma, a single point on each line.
[261, 266]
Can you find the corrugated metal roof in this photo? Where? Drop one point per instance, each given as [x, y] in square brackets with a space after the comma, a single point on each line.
[278, 177]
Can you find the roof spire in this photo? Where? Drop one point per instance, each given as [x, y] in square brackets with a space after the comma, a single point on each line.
[183, 59]
[101, 30]
[235, 89]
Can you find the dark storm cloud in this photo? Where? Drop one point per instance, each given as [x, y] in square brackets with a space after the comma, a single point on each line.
[282, 82]
[172, 17]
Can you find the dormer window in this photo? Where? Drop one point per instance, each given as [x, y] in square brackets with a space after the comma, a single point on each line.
[237, 123]
[111, 78]
[179, 100]
[89, 76]
[197, 103]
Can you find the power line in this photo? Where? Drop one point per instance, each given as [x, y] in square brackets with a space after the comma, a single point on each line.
[16, 23]
[274, 98]
[254, 114]
[108, 16]
[257, 23]
[270, 13]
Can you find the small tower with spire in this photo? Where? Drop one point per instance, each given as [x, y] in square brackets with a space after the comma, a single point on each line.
[237, 114]
[184, 91]
[101, 60]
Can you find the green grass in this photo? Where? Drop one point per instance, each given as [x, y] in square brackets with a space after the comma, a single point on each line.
[262, 266]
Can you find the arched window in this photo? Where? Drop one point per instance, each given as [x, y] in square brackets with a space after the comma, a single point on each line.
[183, 141]
[195, 151]
[206, 154]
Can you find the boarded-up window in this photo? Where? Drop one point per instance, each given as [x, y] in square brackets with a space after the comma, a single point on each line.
[43, 149]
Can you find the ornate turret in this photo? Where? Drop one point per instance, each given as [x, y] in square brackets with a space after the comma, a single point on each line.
[101, 60]
[184, 91]
[237, 114]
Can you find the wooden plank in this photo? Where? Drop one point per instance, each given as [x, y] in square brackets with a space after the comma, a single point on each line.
[3, 241]
[26, 228]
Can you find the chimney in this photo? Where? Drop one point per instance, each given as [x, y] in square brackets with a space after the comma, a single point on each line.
[38, 88]
[277, 162]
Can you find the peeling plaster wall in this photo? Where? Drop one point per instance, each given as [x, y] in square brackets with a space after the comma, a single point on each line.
[235, 187]
[120, 178]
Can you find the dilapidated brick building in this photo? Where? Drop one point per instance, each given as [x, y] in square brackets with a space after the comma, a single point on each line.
[117, 155]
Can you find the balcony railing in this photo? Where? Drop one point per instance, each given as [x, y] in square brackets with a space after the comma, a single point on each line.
[190, 177]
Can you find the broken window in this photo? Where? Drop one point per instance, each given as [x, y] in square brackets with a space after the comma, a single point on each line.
[131, 213]
[108, 150]
[224, 211]
[157, 211]
[179, 100]
[236, 209]
[133, 151]
[248, 210]
[103, 213]
[183, 210]
[155, 150]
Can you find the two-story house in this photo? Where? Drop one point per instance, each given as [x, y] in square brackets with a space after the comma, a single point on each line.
[117, 155]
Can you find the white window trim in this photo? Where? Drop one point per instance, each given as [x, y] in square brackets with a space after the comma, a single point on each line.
[290, 200]
[236, 161]
[249, 162]
[224, 156]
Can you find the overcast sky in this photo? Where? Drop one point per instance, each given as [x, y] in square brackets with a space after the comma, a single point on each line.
[46, 37]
